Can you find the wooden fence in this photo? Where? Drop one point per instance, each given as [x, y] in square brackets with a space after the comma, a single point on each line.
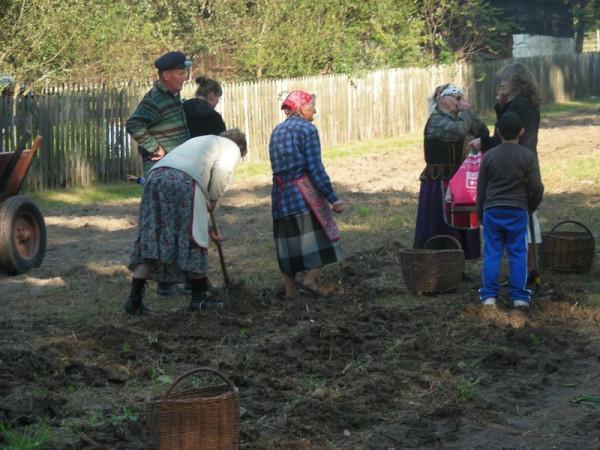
[84, 127]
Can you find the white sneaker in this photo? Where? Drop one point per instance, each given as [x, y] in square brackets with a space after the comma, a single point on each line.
[521, 304]
[489, 301]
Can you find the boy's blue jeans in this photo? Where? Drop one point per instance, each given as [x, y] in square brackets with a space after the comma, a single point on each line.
[505, 228]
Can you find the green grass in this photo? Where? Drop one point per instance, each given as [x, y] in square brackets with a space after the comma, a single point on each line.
[363, 211]
[101, 194]
[557, 109]
[535, 340]
[252, 169]
[464, 389]
[311, 382]
[593, 401]
[457, 388]
[159, 377]
[30, 437]
[74, 425]
[582, 169]
[125, 414]
[373, 146]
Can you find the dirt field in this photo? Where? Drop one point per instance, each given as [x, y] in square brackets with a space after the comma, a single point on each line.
[372, 367]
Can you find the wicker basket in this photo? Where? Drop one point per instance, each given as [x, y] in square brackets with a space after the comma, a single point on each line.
[568, 251]
[196, 418]
[437, 268]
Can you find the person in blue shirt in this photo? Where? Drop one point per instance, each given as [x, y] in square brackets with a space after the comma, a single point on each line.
[302, 197]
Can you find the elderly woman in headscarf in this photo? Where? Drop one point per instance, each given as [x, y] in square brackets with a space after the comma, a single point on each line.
[305, 233]
[518, 93]
[447, 127]
[173, 228]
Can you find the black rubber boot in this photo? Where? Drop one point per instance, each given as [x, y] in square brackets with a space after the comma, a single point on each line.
[134, 304]
[200, 300]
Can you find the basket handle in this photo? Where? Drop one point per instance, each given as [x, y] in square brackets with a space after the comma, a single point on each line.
[573, 222]
[193, 371]
[446, 236]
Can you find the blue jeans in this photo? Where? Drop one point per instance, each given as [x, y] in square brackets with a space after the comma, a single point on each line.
[505, 228]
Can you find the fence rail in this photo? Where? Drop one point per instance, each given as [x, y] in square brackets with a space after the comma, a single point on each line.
[84, 127]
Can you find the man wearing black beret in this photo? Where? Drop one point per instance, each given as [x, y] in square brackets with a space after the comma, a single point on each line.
[158, 124]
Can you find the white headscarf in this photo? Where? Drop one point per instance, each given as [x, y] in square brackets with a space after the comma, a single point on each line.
[448, 90]
[451, 90]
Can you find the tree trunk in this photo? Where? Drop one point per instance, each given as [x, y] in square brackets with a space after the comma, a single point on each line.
[579, 35]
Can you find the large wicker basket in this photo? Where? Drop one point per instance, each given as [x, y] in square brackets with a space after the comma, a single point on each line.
[437, 268]
[568, 251]
[197, 418]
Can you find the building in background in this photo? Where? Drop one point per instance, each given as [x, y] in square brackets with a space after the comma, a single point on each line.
[541, 27]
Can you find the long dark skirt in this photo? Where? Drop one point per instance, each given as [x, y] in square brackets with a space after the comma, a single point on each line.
[430, 221]
[165, 227]
[301, 244]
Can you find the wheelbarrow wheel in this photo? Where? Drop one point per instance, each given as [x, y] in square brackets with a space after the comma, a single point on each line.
[22, 235]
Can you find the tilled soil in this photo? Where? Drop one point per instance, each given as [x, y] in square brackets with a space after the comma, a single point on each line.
[372, 366]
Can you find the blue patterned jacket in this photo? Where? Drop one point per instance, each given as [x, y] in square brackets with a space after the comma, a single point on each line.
[295, 150]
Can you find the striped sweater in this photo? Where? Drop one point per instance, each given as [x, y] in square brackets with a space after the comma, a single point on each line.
[158, 120]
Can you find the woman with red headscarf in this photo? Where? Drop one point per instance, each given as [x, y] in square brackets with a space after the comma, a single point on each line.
[306, 236]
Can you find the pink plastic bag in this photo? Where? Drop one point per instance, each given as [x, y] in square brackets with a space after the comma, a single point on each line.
[461, 194]
[463, 185]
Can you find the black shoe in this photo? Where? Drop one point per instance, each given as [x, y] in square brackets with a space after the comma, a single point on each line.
[199, 302]
[202, 302]
[135, 306]
[170, 289]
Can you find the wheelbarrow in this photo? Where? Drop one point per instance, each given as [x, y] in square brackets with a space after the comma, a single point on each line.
[22, 226]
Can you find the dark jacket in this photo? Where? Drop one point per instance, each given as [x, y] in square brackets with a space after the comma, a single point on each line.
[444, 142]
[509, 176]
[530, 117]
[202, 119]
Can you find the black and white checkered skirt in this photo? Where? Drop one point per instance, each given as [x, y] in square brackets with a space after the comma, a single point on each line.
[301, 244]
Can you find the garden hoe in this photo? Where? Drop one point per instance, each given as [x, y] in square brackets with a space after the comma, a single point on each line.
[226, 281]
[220, 250]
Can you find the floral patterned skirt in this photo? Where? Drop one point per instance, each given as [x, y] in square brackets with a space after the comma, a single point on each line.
[165, 228]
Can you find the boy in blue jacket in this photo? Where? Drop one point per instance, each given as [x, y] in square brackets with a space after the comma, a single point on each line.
[509, 188]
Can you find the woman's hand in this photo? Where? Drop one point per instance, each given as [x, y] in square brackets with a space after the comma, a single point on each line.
[501, 99]
[338, 206]
[211, 206]
[475, 144]
[464, 104]
[158, 154]
[215, 236]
